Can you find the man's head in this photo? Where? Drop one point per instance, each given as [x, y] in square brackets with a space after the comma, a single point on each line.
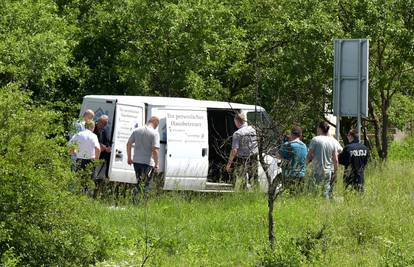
[102, 121]
[154, 121]
[295, 133]
[90, 125]
[88, 115]
[323, 128]
[353, 135]
[239, 119]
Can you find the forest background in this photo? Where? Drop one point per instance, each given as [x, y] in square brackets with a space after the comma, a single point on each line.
[277, 54]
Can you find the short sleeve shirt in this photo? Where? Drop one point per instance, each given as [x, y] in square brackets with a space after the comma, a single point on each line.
[295, 152]
[86, 142]
[245, 141]
[323, 148]
[144, 138]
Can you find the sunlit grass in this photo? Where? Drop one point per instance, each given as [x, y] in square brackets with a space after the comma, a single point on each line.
[190, 229]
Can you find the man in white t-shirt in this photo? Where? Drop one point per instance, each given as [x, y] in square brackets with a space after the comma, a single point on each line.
[87, 147]
[146, 152]
[323, 152]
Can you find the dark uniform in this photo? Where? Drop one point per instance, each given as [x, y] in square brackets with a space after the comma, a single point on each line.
[354, 157]
[103, 138]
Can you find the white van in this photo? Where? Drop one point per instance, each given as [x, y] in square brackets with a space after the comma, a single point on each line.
[194, 137]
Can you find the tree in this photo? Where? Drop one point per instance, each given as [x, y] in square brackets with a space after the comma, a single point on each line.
[41, 223]
[35, 46]
[389, 25]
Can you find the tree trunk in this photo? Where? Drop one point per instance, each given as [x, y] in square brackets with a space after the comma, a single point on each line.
[384, 135]
[377, 129]
[270, 204]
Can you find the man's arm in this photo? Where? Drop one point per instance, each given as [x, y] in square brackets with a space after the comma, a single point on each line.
[335, 160]
[335, 163]
[155, 156]
[233, 154]
[131, 140]
[309, 157]
[129, 148]
[97, 152]
[343, 157]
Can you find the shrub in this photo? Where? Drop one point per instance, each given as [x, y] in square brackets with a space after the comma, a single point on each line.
[402, 150]
[41, 223]
[285, 254]
[396, 256]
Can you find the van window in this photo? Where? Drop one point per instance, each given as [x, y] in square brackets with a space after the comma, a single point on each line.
[259, 118]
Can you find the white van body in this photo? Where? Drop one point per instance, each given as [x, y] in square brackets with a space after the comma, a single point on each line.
[192, 152]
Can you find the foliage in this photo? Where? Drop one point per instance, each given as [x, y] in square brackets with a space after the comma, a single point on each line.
[41, 223]
[396, 256]
[402, 150]
[401, 112]
[284, 256]
[35, 47]
[274, 53]
[388, 24]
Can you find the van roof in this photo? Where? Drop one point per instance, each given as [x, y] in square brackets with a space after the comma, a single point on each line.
[175, 101]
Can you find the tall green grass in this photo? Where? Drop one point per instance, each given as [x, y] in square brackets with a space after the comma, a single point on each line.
[188, 229]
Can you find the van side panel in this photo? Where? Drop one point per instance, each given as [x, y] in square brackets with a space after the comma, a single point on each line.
[184, 132]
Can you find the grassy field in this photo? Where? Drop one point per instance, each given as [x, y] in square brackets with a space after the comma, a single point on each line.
[188, 229]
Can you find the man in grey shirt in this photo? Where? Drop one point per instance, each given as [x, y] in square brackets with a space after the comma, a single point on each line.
[146, 152]
[323, 152]
[243, 155]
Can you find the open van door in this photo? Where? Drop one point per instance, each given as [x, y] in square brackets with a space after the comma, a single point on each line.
[128, 116]
[186, 158]
[100, 107]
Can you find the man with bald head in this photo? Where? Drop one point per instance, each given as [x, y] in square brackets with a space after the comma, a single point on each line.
[146, 152]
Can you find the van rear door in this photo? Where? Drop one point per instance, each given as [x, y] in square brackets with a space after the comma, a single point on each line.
[186, 159]
[128, 116]
[100, 107]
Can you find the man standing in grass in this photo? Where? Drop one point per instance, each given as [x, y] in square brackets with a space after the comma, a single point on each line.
[294, 152]
[146, 152]
[323, 152]
[354, 157]
[243, 155]
[87, 148]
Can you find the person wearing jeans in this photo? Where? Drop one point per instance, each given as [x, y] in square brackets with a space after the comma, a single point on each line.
[323, 152]
[146, 141]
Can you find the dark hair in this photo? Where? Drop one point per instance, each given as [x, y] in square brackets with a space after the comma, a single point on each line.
[296, 131]
[324, 126]
[354, 133]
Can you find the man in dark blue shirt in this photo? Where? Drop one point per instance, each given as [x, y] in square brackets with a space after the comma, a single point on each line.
[354, 157]
[294, 152]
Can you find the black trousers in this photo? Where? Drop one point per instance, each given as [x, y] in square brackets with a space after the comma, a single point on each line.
[243, 167]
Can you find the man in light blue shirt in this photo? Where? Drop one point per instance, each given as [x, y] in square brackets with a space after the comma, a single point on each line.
[294, 152]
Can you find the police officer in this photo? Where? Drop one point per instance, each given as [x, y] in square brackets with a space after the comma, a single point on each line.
[354, 157]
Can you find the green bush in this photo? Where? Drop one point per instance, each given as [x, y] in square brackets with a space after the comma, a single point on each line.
[402, 150]
[287, 253]
[41, 223]
[396, 256]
